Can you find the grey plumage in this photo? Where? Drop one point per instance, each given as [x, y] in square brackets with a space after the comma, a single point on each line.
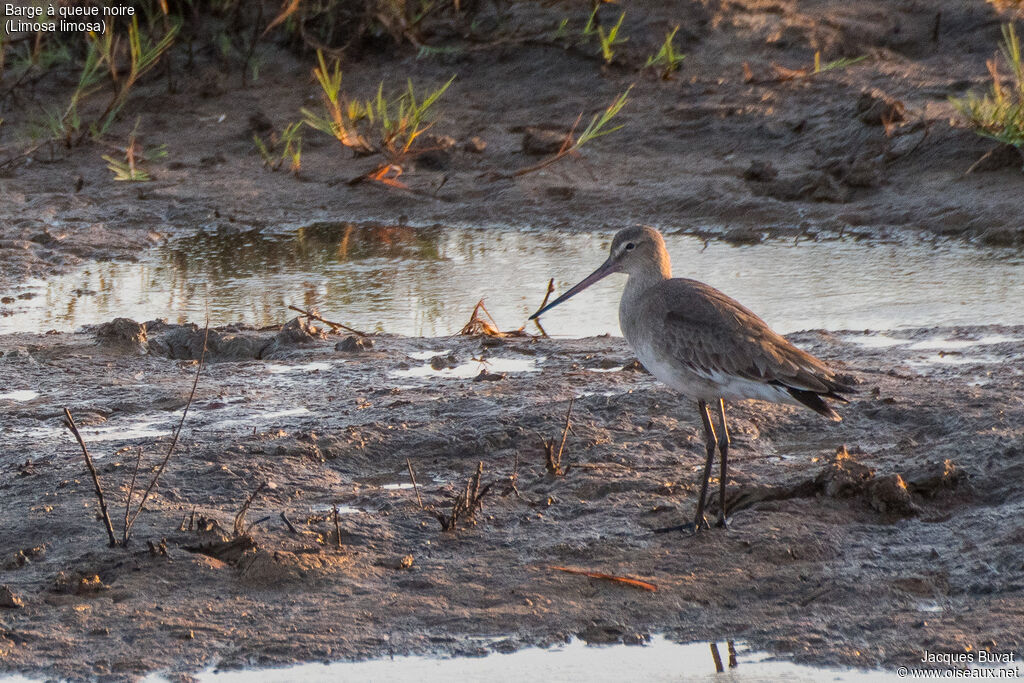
[705, 344]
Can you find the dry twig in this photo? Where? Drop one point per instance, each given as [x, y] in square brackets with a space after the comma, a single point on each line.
[70, 423]
[629, 581]
[554, 460]
[334, 326]
[465, 504]
[547, 294]
[174, 441]
[415, 487]
[337, 527]
[239, 525]
[486, 326]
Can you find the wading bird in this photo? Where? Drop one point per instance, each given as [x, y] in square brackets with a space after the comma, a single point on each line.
[706, 346]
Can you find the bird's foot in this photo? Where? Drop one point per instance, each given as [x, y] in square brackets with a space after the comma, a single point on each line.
[722, 523]
[692, 528]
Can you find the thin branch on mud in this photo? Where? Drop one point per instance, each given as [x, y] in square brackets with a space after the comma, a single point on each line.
[239, 525]
[131, 489]
[717, 657]
[629, 581]
[174, 441]
[415, 487]
[465, 504]
[553, 460]
[514, 478]
[337, 527]
[70, 423]
[547, 295]
[288, 523]
[334, 326]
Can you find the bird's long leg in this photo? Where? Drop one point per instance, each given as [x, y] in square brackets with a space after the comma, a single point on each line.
[699, 522]
[723, 449]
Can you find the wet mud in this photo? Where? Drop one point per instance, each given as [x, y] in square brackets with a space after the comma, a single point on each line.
[863, 543]
[721, 149]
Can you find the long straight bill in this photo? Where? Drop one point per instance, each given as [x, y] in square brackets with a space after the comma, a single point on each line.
[607, 268]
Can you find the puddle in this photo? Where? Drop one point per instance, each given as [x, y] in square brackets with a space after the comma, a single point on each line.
[397, 487]
[660, 660]
[342, 509]
[472, 368]
[874, 341]
[959, 344]
[252, 418]
[427, 355]
[278, 369]
[425, 281]
[20, 395]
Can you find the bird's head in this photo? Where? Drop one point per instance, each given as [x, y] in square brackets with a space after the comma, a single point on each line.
[634, 250]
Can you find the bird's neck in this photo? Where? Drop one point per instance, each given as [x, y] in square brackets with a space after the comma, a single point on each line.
[642, 279]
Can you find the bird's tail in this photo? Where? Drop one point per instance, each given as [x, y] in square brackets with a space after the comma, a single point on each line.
[815, 402]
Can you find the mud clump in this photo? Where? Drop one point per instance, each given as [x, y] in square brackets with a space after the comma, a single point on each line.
[889, 495]
[123, 334]
[934, 478]
[844, 477]
[273, 567]
[296, 332]
[185, 342]
[875, 108]
[9, 599]
[542, 141]
[816, 186]
[760, 170]
[354, 344]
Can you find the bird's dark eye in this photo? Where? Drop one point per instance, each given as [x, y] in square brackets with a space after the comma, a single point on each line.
[630, 246]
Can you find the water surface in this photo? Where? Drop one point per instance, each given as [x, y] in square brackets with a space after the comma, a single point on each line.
[425, 281]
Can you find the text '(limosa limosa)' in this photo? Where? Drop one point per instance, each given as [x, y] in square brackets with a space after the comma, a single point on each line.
[706, 346]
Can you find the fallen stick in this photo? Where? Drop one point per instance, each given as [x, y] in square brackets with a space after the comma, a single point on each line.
[415, 487]
[334, 326]
[635, 583]
[70, 423]
[291, 527]
[337, 527]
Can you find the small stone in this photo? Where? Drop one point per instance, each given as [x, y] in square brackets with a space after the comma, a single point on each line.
[875, 108]
[9, 599]
[542, 141]
[485, 376]
[760, 170]
[444, 362]
[475, 145]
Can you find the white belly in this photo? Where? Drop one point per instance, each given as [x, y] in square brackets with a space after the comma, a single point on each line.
[710, 385]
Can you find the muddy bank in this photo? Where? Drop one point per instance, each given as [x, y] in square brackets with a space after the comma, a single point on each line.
[908, 539]
[720, 149]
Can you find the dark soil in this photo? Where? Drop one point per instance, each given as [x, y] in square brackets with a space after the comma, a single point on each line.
[864, 543]
[906, 539]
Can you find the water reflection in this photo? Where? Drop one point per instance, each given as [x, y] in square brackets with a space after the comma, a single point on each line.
[658, 660]
[425, 281]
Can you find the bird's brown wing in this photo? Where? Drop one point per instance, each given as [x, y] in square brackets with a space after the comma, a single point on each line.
[713, 333]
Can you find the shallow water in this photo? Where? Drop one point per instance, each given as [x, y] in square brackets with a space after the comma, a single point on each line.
[659, 660]
[425, 281]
